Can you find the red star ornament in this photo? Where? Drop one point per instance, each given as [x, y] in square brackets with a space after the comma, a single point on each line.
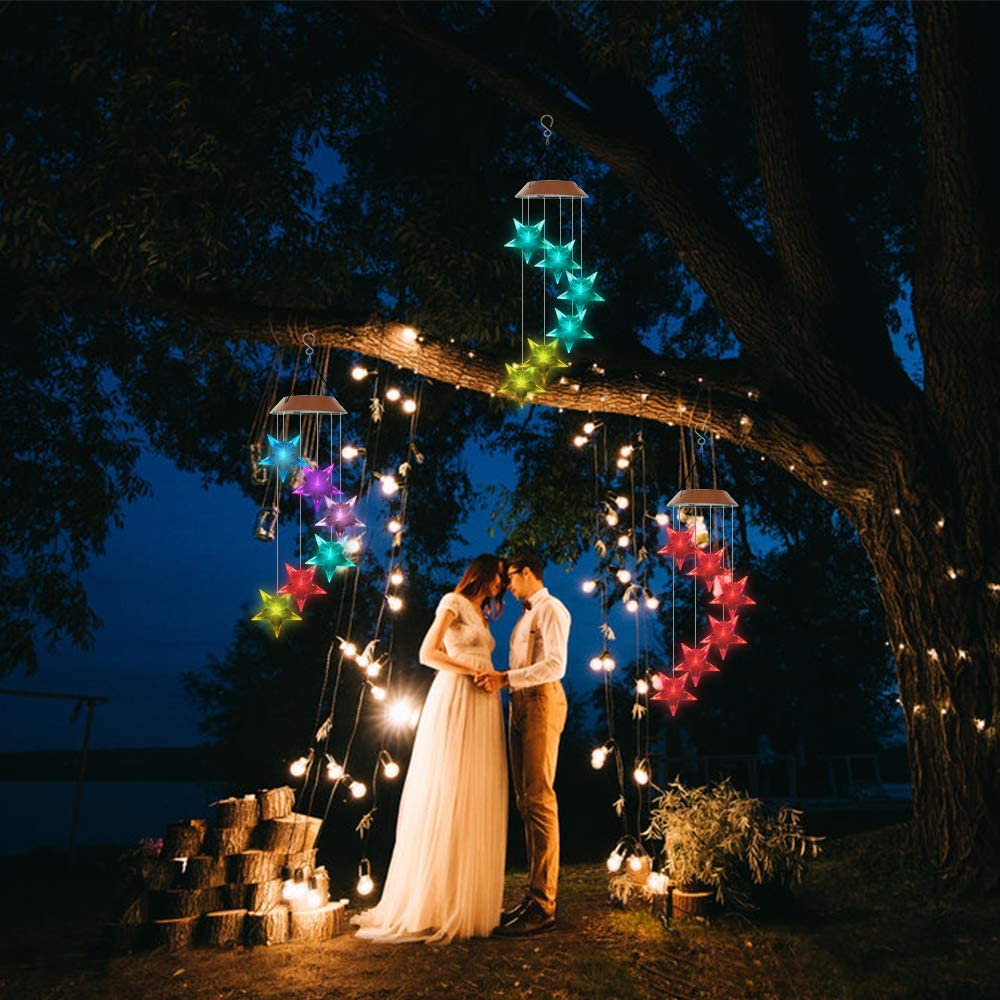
[695, 663]
[723, 634]
[301, 584]
[680, 545]
[673, 692]
[733, 595]
[709, 566]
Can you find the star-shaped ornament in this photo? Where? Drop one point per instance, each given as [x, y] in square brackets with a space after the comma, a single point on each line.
[339, 517]
[708, 566]
[284, 455]
[723, 634]
[733, 595]
[695, 663]
[558, 259]
[276, 611]
[317, 485]
[545, 357]
[673, 692]
[569, 329]
[522, 381]
[330, 556]
[301, 585]
[581, 291]
[680, 545]
[528, 239]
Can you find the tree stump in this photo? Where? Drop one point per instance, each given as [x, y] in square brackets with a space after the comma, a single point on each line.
[204, 870]
[304, 861]
[253, 866]
[270, 926]
[173, 934]
[237, 811]
[289, 834]
[263, 895]
[316, 925]
[183, 839]
[170, 904]
[162, 873]
[223, 927]
[692, 904]
[228, 840]
[276, 802]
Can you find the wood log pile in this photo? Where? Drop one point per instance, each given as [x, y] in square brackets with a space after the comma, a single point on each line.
[252, 878]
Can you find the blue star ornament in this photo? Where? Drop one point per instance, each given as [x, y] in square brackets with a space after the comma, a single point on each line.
[581, 291]
[558, 259]
[570, 329]
[330, 556]
[284, 456]
[528, 239]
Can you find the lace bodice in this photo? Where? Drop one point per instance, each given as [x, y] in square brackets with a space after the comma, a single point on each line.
[468, 634]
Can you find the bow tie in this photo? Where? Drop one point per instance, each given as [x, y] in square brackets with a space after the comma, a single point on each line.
[526, 605]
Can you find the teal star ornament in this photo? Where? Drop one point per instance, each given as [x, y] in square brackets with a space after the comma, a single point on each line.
[284, 455]
[580, 291]
[528, 239]
[570, 329]
[558, 259]
[330, 556]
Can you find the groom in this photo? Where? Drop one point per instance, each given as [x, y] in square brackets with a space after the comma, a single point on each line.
[537, 716]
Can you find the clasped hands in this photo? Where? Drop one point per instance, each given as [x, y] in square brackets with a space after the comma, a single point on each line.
[492, 680]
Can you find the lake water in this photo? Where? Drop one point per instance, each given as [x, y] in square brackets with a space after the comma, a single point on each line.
[112, 812]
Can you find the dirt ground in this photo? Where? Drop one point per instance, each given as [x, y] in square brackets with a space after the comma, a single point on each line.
[841, 942]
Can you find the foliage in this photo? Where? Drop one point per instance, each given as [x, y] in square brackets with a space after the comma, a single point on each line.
[717, 838]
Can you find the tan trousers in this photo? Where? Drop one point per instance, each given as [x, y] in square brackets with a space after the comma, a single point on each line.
[537, 717]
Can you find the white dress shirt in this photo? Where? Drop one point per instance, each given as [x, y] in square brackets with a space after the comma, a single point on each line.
[538, 644]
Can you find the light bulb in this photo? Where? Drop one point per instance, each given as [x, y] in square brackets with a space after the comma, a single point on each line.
[622, 463]
[409, 405]
[359, 372]
[641, 775]
[589, 427]
[294, 889]
[980, 725]
[623, 541]
[334, 771]
[614, 861]
[662, 519]
[589, 586]
[642, 686]
[389, 485]
[357, 789]
[349, 650]
[623, 576]
[352, 546]
[373, 668]
[656, 682]
[408, 334]
[580, 440]
[399, 713]
[598, 758]
[607, 663]
[298, 767]
[364, 660]
[652, 602]
[626, 450]
[392, 394]
[391, 769]
[621, 503]
[315, 899]
[611, 518]
[597, 663]
[365, 885]
[378, 692]
[634, 862]
[396, 578]
[657, 882]
[395, 603]
[393, 526]
[631, 605]
[349, 452]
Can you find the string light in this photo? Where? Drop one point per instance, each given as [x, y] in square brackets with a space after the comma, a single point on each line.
[642, 686]
[641, 773]
[352, 546]
[611, 518]
[634, 863]
[349, 452]
[396, 578]
[980, 725]
[624, 576]
[394, 602]
[604, 661]
[657, 882]
[622, 463]
[599, 755]
[359, 373]
[588, 586]
[394, 526]
[365, 883]
[392, 394]
[621, 503]
[378, 692]
[357, 789]
[408, 334]
[389, 485]
[652, 602]
[589, 427]
[580, 440]
[409, 405]
[662, 519]
[389, 767]
[952, 574]
[349, 650]
[399, 712]
[615, 861]
[334, 771]
[623, 541]
[299, 767]
[631, 605]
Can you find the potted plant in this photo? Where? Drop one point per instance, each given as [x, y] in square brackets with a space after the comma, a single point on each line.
[720, 846]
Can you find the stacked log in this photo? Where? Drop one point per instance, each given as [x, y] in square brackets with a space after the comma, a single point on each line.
[174, 935]
[254, 866]
[270, 926]
[317, 925]
[275, 802]
[228, 840]
[204, 870]
[289, 834]
[237, 812]
[263, 895]
[184, 839]
[223, 927]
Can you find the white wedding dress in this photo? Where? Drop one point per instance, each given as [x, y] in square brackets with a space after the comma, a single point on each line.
[445, 879]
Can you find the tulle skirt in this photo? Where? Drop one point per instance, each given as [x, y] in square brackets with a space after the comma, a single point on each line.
[445, 879]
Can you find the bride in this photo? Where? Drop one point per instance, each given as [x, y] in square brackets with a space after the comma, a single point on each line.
[445, 879]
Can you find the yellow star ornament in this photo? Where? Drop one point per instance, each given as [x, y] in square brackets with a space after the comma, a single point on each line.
[522, 381]
[276, 611]
[545, 358]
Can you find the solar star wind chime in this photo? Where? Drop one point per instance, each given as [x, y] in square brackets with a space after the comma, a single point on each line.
[313, 483]
[549, 239]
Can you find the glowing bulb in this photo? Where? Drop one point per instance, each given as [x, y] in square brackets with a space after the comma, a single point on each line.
[409, 406]
[391, 769]
[352, 546]
[359, 372]
[614, 861]
[396, 578]
[580, 440]
[952, 575]
[622, 463]
[641, 775]
[597, 663]
[612, 518]
[408, 334]
[365, 885]
[642, 686]
[394, 525]
[652, 602]
[389, 485]
[349, 650]
[980, 725]
[315, 899]
[634, 862]
[589, 427]
[607, 663]
[399, 713]
[349, 452]
[623, 576]
[298, 767]
[373, 668]
[657, 882]
[364, 660]
[631, 605]
[357, 789]
[378, 692]
[589, 586]
[293, 889]
[598, 758]
[662, 519]
[623, 541]
[395, 603]
[626, 451]
[621, 503]
[392, 394]
[334, 771]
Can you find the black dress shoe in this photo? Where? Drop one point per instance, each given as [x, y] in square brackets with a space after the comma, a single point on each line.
[531, 920]
[506, 916]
